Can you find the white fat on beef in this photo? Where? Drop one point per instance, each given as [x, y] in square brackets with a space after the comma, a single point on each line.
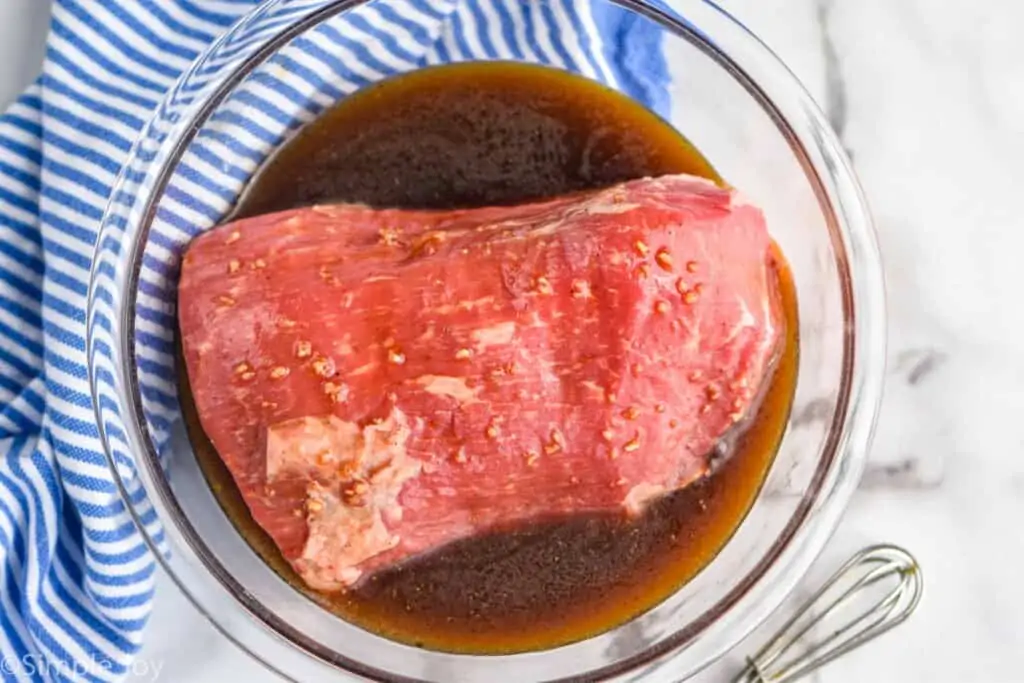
[444, 385]
[348, 517]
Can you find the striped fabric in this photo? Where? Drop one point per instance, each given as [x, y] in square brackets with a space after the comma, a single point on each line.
[76, 579]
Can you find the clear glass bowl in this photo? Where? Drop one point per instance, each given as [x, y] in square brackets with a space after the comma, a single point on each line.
[278, 67]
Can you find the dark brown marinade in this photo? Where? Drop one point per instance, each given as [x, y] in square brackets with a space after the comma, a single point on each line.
[499, 133]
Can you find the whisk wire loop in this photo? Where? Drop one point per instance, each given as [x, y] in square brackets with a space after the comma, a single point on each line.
[793, 652]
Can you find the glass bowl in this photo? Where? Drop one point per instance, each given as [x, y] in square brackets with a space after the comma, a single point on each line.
[281, 65]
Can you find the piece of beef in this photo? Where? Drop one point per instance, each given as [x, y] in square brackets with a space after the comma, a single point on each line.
[383, 382]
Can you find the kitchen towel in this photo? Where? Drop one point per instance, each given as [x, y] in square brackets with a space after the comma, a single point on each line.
[76, 578]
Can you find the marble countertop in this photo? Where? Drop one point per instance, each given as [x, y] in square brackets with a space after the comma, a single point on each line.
[929, 101]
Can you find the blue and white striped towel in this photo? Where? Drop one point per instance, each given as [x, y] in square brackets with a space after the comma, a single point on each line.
[76, 580]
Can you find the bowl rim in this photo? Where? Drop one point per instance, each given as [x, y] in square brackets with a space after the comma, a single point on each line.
[844, 206]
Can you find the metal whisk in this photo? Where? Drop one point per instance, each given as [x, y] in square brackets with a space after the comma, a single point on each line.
[843, 615]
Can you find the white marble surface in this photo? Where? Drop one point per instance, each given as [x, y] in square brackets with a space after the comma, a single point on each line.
[929, 99]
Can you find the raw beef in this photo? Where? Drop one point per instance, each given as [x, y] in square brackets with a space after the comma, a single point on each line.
[383, 382]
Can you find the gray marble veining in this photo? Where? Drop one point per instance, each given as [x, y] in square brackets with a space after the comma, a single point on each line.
[835, 85]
